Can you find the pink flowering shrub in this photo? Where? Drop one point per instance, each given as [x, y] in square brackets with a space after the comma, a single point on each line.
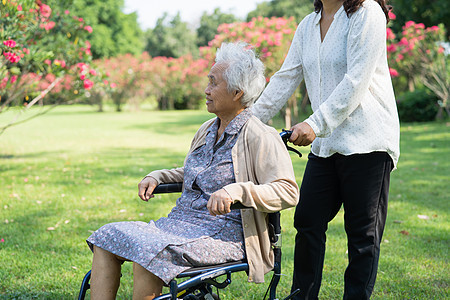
[271, 38]
[417, 56]
[173, 82]
[38, 62]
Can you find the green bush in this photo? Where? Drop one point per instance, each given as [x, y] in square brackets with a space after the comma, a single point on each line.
[417, 106]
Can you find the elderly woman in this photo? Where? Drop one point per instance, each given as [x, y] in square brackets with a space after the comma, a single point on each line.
[233, 158]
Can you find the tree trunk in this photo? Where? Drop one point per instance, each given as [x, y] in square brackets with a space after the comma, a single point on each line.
[287, 117]
[411, 86]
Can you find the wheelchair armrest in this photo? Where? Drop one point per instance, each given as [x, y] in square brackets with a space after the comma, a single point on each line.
[238, 205]
[168, 188]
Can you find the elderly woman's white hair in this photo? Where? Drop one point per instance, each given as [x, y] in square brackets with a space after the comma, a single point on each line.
[244, 71]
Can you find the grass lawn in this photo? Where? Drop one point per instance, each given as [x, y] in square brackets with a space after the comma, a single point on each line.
[65, 174]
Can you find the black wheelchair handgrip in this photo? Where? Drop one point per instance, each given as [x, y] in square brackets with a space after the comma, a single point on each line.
[285, 135]
[238, 205]
[274, 219]
[168, 188]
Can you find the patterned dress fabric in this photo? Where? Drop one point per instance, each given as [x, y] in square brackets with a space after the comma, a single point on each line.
[189, 236]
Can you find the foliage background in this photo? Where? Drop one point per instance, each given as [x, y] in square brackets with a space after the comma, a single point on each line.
[72, 170]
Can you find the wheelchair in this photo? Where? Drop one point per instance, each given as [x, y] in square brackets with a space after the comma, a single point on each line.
[199, 281]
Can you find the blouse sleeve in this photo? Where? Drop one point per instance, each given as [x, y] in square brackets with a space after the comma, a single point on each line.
[366, 42]
[283, 83]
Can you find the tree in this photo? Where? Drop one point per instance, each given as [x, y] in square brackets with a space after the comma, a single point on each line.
[114, 32]
[428, 12]
[283, 8]
[171, 38]
[209, 24]
[42, 49]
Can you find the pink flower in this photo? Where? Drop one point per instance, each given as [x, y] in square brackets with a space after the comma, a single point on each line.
[26, 50]
[82, 66]
[393, 72]
[66, 12]
[12, 57]
[390, 34]
[19, 7]
[409, 24]
[434, 28]
[82, 77]
[10, 43]
[2, 240]
[392, 16]
[93, 72]
[61, 63]
[80, 19]
[403, 42]
[113, 85]
[45, 10]
[13, 78]
[48, 62]
[48, 26]
[420, 25]
[441, 50]
[391, 48]
[88, 29]
[87, 84]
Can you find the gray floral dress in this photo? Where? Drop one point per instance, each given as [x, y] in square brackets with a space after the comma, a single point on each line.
[189, 236]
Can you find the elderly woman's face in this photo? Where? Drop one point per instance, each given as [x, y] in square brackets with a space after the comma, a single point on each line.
[218, 98]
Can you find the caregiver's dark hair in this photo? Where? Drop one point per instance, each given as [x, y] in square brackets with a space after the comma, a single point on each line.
[350, 6]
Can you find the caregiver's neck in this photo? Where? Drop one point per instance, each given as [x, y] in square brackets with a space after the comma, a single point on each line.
[330, 7]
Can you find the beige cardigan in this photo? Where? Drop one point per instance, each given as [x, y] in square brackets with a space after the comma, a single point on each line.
[265, 181]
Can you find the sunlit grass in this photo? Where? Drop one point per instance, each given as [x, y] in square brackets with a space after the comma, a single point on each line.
[67, 173]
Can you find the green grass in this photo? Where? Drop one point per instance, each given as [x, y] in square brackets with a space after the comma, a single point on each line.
[65, 174]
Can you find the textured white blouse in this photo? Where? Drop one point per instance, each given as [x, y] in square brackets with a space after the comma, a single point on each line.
[348, 83]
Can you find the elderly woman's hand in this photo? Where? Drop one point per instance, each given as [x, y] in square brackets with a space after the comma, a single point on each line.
[146, 187]
[219, 203]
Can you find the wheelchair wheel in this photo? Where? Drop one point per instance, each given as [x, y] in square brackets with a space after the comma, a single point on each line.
[211, 296]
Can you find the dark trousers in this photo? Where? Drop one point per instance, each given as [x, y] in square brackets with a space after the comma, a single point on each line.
[361, 183]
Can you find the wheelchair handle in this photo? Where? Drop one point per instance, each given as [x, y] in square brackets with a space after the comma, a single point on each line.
[168, 188]
[285, 135]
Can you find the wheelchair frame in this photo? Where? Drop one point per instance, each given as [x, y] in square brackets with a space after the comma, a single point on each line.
[202, 279]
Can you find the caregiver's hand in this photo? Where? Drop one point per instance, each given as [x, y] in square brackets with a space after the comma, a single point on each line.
[302, 134]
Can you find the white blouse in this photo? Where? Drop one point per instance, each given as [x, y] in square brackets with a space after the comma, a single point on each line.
[348, 83]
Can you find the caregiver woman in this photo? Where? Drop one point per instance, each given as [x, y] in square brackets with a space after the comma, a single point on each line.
[340, 52]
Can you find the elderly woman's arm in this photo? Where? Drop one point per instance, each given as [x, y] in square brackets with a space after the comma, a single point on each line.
[271, 166]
